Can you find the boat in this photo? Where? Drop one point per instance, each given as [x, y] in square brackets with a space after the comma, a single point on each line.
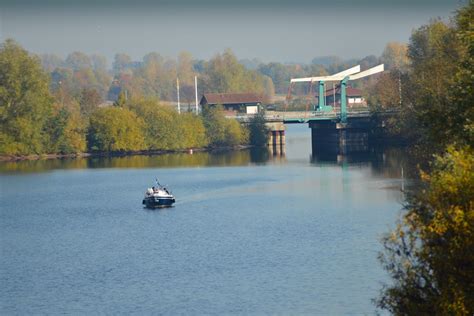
[158, 196]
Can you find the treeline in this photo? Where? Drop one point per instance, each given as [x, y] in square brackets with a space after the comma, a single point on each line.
[430, 254]
[88, 78]
[36, 121]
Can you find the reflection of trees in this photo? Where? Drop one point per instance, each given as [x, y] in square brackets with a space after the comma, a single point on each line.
[171, 160]
[43, 165]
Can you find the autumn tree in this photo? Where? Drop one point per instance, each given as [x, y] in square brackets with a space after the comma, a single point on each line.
[395, 56]
[224, 74]
[165, 129]
[115, 129]
[25, 101]
[121, 62]
[430, 255]
[89, 99]
[221, 131]
[78, 60]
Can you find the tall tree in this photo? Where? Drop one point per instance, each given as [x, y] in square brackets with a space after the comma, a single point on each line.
[115, 129]
[395, 56]
[78, 60]
[121, 62]
[50, 62]
[25, 101]
[430, 255]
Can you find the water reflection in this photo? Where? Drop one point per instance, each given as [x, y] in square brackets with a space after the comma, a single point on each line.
[388, 162]
[197, 159]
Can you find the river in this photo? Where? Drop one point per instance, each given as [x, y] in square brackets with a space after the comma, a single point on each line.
[250, 233]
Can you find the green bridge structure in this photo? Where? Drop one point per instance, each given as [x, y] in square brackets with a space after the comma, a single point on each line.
[328, 131]
[335, 130]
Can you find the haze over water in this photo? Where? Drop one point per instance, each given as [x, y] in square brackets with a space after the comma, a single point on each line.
[250, 233]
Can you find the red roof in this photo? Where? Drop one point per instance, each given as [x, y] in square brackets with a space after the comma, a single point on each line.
[231, 98]
[350, 92]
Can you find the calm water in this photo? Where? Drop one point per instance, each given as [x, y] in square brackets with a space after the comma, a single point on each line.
[250, 233]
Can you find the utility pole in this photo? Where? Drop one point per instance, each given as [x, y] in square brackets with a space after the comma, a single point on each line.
[177, 89]
[196, 93]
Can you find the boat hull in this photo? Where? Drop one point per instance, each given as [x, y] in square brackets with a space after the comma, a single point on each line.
[155, 202]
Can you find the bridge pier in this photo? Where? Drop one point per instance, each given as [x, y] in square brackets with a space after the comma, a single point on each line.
[276, 139]
[339, 138]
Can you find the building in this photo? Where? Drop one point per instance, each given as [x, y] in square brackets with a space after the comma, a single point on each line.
[333, 97]
[248, 103]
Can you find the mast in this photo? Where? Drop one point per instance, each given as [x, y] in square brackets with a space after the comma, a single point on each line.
[196, 93]
[177, 89]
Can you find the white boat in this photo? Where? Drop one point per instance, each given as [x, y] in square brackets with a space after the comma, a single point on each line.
[158, 196]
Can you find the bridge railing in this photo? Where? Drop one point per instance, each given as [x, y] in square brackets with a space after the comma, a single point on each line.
[298, 116]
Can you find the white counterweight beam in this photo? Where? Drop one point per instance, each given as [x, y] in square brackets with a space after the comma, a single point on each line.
[353, 73]
[334, 77]
[368, 72]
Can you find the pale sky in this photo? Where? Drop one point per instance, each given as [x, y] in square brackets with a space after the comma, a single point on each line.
[278, 30]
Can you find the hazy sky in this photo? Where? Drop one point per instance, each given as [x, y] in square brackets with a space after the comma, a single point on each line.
[284, 31]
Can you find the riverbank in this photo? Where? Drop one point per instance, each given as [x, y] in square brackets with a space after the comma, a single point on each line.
[9, 158]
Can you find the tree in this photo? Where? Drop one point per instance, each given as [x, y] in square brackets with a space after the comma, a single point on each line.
[395, 56]
[121, 62]
[66, 130]
[438, 59]
[165, 129]
[25, 101]
[430, 255]
[258, 130]
[78, 60]
[185, 68]
[99, 63]
[115, 129]
[121, 100]
[224, 73]
[50, 62]
[221, 131]
[89, 99]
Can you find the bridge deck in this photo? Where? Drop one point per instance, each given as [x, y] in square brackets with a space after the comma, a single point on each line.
[302, 117]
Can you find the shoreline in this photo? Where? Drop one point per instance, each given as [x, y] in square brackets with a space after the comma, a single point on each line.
[9, 158]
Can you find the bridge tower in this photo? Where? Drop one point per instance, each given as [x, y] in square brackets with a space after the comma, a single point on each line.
[343, 134]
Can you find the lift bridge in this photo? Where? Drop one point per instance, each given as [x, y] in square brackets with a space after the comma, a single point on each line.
[339, 131]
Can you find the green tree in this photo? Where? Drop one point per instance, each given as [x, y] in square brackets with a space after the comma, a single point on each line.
[430, 256]
[121, 100]
[89, 99]
[78, 60]
[165, 129]
[161, 124]
[66, 130]
[435, 53]
[258, 130]
[115, 129]
[192, 131]
[25, 101]
[223, 74]
[221, 131]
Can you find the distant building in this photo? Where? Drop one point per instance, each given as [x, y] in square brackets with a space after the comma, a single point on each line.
[234, 102]
[353, 95]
